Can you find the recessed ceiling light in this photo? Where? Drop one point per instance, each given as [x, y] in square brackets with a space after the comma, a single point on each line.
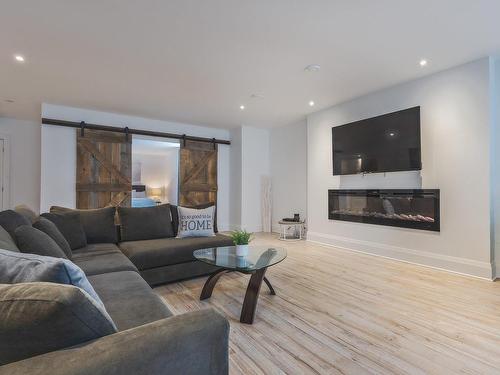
[392, 134]
[242, 107]
[19, 58]
[311, 103]
[312, 68]
[423, 62]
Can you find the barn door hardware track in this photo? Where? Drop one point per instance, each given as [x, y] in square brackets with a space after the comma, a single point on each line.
[83, 125]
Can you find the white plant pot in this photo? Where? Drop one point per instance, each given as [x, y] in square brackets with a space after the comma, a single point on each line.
[241, 250]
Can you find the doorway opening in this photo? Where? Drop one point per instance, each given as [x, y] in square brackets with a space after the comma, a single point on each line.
[155, 171]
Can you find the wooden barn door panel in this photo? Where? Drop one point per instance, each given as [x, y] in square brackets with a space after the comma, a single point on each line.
[197, 173]
[104, 169]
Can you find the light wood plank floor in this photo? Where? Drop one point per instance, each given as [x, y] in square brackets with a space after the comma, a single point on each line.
[341, 312]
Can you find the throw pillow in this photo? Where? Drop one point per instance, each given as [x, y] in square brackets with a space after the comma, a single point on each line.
[27, 268]
[33, 241]
[70, 226]
[51, 230]
[6, 241]
[175, 215]
[98, 224]
[10, 220]
[145, 223]
[27, 212]
[196, 222]
[41, 317]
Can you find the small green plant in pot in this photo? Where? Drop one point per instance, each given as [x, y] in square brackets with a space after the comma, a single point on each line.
[241, 239]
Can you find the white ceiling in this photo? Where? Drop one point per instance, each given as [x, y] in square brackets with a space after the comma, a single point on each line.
[197, 61]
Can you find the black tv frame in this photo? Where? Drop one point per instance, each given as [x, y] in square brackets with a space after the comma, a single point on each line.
[379, 171]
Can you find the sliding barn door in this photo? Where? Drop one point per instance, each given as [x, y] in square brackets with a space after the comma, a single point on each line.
[103, 169]
[197, 173]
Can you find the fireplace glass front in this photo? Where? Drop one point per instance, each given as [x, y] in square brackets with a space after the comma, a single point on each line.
[408, 208]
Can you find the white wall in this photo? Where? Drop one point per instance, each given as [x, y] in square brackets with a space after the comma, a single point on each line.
[235, 179]
[58, 153]
[495, 146]
[159, 171]
[23, 162]
[455, 121]
[255, 165]
[288, 164]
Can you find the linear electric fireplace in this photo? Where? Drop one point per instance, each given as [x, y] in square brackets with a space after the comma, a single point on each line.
[407, 208]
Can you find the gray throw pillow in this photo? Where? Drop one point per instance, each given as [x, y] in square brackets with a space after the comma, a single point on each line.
[27, 268]
[70, 225]
[196, 222]
[33, 241]
[175, 215]
[51, 229]
[98, 224]
[6, 241]
[38, 318]
[10, 220]
[145, 223]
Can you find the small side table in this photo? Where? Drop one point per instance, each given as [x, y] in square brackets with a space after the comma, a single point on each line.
[298, 230]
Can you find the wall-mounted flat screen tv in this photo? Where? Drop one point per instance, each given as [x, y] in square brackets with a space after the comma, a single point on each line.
[387, 143]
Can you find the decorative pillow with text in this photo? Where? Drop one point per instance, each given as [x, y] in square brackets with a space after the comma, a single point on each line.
[196, 222]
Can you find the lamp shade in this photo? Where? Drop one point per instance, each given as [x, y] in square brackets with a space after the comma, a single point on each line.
[156, 192]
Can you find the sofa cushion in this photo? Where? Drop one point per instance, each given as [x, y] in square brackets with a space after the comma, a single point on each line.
[98, 224]
[53, 232]
[34, 241]
[97, 248]
[144, 223]
[27, 212]
[147, 254]
[27, 268]
[6, 241]
[129, 300]
[175, 215]
[42, 317]
[70, 225]
[96, 259]
[10, 220]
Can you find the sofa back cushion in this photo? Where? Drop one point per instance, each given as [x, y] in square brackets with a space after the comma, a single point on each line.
[145, 223]
[53, 232]
[175, 215]
[39, 318]
[26, 268]
[98, 224]
[34, 241]
[70, 225]
[6, 241]
[10, 220]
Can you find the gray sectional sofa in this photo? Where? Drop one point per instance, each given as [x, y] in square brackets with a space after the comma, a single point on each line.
[120, 262]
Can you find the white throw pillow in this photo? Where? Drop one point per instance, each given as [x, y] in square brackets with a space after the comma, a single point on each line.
[195, 222]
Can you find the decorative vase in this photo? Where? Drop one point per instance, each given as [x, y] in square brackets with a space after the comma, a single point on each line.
[241, 250]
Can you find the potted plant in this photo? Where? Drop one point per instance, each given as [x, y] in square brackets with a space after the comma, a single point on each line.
[241, 238]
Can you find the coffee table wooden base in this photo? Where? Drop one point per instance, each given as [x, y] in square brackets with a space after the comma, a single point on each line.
[251, 295]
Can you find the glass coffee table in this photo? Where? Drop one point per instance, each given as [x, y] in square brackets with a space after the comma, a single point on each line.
[256, 262]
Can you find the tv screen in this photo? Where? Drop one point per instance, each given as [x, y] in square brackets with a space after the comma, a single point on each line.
[387, 143]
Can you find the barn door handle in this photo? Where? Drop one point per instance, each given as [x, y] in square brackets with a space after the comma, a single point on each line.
[82, 128]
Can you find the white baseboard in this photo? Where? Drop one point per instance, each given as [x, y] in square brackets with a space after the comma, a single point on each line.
[462, 266]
